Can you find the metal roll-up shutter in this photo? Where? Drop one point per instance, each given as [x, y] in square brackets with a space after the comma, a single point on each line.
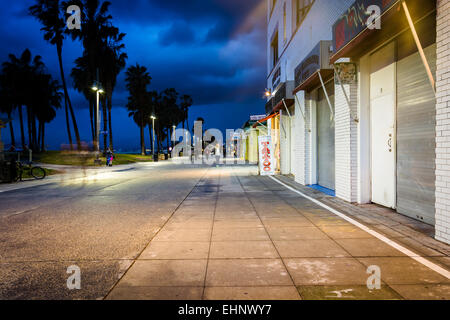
[293, 142]
[416, 122]
[325, 139]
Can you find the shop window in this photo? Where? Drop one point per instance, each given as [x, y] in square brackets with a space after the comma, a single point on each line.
[274, 50]
[302, 10]
[273, 4]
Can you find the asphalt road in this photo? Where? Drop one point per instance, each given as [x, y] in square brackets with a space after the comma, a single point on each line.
[99, 223]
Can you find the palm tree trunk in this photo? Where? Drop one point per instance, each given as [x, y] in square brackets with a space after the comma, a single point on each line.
[111, 146]
[11, 131]
[22, 131]
[168, 139]
[66, 94]
[34, 133]
[69, 134]
[151, 137]
[142, 137]
[39, 134]
[43, 135]
[91, 117]
[187, 120]
[30, 141]
[105, 126]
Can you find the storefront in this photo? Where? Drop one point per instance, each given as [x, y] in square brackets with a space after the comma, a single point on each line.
[314, 77]
[396, 104]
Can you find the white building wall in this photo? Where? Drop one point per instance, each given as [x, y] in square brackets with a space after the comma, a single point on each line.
[285, 142]
[316, 27]
[443, 122]
[346, 141]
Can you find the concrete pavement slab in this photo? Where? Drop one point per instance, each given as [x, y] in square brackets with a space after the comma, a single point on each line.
[165, 273]
[178, 235]
[243, 250]
[310, 249]
[423, 292]
[156, 293]
[345, 232]
[247, 273]
[247, 234]
[398, 270]
[252, 293]
[348, 292]
[326, 271]
[369, 248]
[296, 233]
[176, 250]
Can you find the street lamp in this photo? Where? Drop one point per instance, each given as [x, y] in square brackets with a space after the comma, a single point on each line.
[97, 87]
[153, 129]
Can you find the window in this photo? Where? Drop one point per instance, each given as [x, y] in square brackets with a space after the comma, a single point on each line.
[273, 3]
[274, 49]
[303, 7]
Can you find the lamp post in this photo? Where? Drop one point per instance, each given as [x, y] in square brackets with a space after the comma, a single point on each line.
[153, 130]
[97, 87]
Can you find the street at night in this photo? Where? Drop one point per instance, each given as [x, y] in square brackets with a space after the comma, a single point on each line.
[221, 159]
[171, 231]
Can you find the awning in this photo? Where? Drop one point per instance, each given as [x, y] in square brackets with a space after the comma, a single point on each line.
[314, 80]
[393, 22]
[280, 105]
[265, 119]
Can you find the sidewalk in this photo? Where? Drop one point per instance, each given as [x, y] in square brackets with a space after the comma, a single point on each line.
[241, 236]
[415, 234]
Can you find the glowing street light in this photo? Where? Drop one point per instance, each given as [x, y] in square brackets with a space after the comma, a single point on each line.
[97, 87]
[153, 117]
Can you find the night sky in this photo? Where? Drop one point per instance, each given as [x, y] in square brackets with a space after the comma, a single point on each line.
[213, 50]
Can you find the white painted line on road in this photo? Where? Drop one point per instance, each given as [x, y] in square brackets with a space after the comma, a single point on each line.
[386, 240]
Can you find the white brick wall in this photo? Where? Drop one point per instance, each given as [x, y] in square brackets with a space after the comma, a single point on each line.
[443, 122]
[301, 141]
[346, 142]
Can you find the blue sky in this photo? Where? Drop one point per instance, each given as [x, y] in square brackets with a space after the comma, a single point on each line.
[213, 50]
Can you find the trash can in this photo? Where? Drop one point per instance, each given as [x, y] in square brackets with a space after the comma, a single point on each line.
[166, 156]
[8, 171]
[155, 158]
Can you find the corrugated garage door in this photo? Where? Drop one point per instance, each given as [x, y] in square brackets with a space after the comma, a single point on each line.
[325, 139]
[416, 120]
[293, 142]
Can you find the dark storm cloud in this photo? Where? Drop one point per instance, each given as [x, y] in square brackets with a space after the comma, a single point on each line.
[178, 33]
[213, 50]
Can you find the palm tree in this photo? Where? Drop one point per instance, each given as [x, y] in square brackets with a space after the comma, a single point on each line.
[103, 56]
[49, 14]
[46, 104]
[82, 82]
[21, 73]
[114, 62]
[185, 104]
[137, 81]
[6, 102]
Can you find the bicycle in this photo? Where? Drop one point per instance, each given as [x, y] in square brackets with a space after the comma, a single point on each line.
[37, 173]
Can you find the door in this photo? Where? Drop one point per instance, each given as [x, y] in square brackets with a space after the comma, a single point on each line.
[325, 139]
[382, 114]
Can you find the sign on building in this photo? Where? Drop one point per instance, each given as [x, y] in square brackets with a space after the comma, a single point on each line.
[354, 21]
[266, 156]
[257, 117]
